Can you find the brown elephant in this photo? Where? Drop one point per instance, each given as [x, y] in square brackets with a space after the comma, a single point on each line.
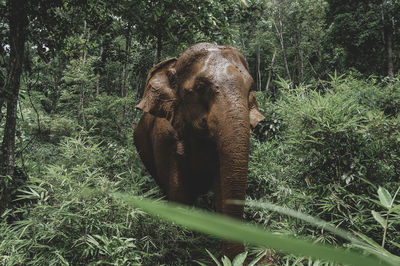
[194, 134]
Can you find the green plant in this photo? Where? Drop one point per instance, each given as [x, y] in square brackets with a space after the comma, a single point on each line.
[237, 261]
[9, 186]
[387, 201]
[302, 261]
[335, 79]
[63, 220]
[234, 230]
[331, 147]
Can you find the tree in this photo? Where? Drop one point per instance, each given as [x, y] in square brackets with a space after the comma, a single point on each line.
[388, 21]
[293, 31]
[3, 53]
[365, 31]
[174, 22]
[18, 22]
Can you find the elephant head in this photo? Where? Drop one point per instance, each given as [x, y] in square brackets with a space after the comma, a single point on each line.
[206, 93]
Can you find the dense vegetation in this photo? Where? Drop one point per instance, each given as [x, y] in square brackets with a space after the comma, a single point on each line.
[327, 81]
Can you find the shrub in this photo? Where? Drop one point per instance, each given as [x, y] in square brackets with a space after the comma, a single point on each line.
[70, 218]
[333, 149]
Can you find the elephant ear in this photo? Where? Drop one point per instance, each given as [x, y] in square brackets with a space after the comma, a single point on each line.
[160, 94]
[255, 115]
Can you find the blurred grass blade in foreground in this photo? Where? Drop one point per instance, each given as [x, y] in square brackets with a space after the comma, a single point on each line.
[228, 228]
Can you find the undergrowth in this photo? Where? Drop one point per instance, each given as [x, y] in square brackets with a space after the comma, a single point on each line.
[323, 153]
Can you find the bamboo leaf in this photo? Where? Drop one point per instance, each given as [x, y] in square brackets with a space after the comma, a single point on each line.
[385, 197]
[214, 258]
[307, 218]
[379, 219]
[244, 3]
[369, 241]
[254, 262]
[395, 209]
[226, 261]
[231, 229]
[239, 259]
[396, 244]
[377, 249]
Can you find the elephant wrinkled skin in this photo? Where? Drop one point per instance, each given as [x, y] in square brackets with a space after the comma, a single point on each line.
[194, 134]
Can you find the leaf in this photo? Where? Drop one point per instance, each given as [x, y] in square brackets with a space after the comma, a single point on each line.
[377, 202]
[214, 258]
[307, 218]
[234, 230]
[244, 3]
[259, 257]
[379, 219]
[226, 261]
[239, 259]
[200, 263]
[385, 197]
[395, 209]
[368, 182]
[377, 249]
[369, 241]
[396, 244]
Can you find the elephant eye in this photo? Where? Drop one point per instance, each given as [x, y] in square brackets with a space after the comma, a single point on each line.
[201, 85]
[200, 88]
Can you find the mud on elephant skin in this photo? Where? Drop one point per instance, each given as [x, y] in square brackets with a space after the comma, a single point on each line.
[194, 134]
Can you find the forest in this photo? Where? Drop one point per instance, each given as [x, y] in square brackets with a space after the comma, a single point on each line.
[323, 165]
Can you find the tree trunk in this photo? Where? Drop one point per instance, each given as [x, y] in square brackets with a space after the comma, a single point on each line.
[34, 109]
[388, 39]
[82, 105]
[18, 22]
[301, 60]
[125, 64]
[98, 74]
[279, 31]
[270, 69]
[84, 54]
[158, 50]
[124, 68]
[1, 107]
[258, 74]
[389, 47]
[55, 91]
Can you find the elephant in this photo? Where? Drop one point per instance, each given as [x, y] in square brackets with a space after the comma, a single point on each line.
[195, 130]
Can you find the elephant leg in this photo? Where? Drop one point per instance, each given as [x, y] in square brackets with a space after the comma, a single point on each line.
[143, 143]
[178, 193]
[168, 162]
[177, 190]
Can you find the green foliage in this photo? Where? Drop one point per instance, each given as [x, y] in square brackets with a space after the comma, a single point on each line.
[392, 211]
[80, 81]
[112, 117]
[332, 152]
[356, 31]
[329, 146]
[9, 188]
[228, 228]
[237, 261]
[64, 220]
[339, 134]
[326, 134]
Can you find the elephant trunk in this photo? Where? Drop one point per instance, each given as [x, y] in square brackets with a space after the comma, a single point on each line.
[233, 150]
[232, 141]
